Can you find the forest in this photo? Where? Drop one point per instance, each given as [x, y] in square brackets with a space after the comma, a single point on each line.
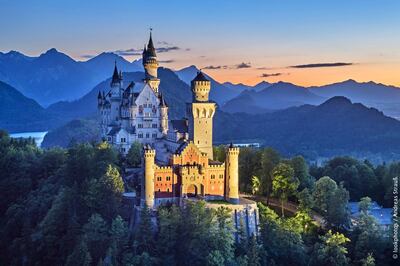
[65, 207]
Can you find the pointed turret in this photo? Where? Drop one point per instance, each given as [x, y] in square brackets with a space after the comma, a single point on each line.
[116, 79]
[151, 51]
[150, 65]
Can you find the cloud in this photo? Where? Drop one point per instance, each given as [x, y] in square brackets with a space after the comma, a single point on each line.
[168, 61]
[215, 67]
[163, 43]
[337, 64]
[131, 51]
[167, 49]
[243, 65]
[267, 75]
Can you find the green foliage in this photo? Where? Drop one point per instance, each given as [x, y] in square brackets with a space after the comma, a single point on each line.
[134, 156]
[331, 250]
[284, 183]
[219, 153]
[368, 261]
[364, 204]
[331, 202]
[255, 185]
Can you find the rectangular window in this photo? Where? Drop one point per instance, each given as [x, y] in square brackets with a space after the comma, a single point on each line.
[140, 135]
[154, 125]
[154, 135]
[168, 178]
[158, 178]
[123, 139]
[147, 135]
[123, 149]
[212, 176]
[140, 125]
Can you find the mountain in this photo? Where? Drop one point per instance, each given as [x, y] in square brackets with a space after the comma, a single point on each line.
[242, 87]
[277, 96]
[175, 91]
[19, 113]
[80, 130]
[383, 97]
[54, 76]
[219, 92]
[336, 127]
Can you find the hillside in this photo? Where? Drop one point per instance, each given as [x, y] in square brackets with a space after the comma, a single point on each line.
[383, 97]
[19, 113]
[333, 128]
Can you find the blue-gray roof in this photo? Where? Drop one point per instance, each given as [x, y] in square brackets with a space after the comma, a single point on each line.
[382, 215]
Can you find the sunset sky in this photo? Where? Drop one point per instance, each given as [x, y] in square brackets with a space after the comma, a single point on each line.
[304, 42]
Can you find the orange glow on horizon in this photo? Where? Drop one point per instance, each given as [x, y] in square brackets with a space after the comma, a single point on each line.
[388, 74]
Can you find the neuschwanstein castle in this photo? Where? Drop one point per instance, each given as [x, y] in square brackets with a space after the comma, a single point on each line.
[178, 161]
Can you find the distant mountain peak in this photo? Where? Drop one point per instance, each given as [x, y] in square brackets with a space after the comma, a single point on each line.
[337, 101]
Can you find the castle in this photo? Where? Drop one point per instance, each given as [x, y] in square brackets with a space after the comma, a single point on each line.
[178, 154]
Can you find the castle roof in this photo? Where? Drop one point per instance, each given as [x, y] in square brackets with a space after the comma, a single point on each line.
[162, 101]
[151, 51]
[180, 125]
[200, 77]
[116, 78]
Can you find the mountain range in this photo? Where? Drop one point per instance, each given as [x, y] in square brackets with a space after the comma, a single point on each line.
[293, 119]
[54, 76]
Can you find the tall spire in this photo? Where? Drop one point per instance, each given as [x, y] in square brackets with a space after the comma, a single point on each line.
[116, 76]
[150, 46]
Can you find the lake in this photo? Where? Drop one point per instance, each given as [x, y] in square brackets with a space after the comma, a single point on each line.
[37, 136]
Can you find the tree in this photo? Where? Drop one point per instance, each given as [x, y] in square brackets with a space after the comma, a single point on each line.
[269, 160]
[80, 256]
[331, 251]
[105, 193]
[134, 156]
[368, 261]
[284, 183]
[300, 169]
[144, 236]
[255, 185]
[219, 153]
[306, 200]
[96, 236]
[364, 204]
[337, 213]
[323, 191]
[252, 254]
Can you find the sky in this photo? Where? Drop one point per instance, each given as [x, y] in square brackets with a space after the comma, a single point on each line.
[306, 42]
